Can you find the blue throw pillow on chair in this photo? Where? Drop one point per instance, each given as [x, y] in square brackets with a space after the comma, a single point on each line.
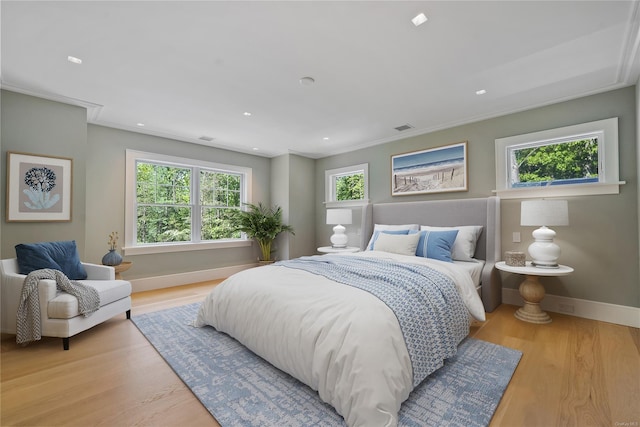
[62, 256]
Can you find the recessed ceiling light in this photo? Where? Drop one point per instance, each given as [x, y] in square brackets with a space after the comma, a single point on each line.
[307, 81]
[246, 113]
[74, 59]
[256, 149]
[481, 92]
[419, 19]
[326, 138]
[140, 124]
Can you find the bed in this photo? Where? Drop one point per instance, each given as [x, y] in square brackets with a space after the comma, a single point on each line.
[458, 212]
[364, 329]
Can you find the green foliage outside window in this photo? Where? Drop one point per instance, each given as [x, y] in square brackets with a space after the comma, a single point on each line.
[164, 206]
[219, 198]
[163, 200]
[574, 160]
[350, 187]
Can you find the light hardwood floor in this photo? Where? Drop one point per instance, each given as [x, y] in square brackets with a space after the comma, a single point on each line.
[573, 372]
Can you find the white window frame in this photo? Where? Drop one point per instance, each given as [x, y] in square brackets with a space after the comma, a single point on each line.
[608, 172]
[130, 242]
[330, 177]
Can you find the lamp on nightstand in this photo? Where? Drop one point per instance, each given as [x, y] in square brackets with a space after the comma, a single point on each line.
[544, 252]
[339, 217]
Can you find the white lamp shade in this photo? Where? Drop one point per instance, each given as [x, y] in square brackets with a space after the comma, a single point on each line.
[339, 216]
[544, 212]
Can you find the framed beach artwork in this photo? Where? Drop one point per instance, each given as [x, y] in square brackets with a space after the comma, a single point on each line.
[435, 170]
[38, 188]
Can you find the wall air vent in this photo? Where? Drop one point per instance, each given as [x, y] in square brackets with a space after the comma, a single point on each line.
[403, 127]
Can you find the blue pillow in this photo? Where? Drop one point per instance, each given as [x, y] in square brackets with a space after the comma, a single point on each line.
[377, 233]
[436, 244]
[62, 256]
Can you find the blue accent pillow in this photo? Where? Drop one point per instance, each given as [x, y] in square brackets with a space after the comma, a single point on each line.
[436, 244]
[377, 233]
[62, 256]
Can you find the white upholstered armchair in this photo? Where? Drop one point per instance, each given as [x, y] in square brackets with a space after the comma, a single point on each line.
[59, 310]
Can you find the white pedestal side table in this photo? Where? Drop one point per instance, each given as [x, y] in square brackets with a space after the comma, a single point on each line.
[532, 290]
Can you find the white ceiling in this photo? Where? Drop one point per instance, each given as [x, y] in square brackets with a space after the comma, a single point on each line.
[192, 69]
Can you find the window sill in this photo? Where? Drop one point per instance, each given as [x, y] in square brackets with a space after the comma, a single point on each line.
[346, 203]
[185, 247]
[561, 191]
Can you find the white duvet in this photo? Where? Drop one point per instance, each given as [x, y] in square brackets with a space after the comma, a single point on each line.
[341, 341]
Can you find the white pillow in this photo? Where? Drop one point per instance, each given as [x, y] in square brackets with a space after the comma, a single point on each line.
[385, 227]
[403, 244]
[465, 244]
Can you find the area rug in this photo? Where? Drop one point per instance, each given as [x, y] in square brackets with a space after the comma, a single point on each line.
[240, 389]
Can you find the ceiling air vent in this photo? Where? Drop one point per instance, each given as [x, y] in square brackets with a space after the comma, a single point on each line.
[403, 127]
[206, 138]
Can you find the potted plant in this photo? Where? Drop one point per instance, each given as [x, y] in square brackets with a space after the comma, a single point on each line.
[261, 223]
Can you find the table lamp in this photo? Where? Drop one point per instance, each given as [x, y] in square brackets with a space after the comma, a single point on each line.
[543, 251]
[339, 217]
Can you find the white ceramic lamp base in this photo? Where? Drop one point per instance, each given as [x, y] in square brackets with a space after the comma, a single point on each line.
[339, 239]
[544, 252]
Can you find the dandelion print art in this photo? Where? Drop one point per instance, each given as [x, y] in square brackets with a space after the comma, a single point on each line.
[38, 188]
[40, 183]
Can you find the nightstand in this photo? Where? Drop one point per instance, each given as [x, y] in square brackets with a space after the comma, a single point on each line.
[332, 250]
[532, 290]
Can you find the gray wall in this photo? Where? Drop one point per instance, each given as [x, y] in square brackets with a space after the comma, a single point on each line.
[292, 188]
[37, 126]
[280, 197]
[638, 154]
[34, 125]
[302, 208]
[105, 198]
[601, 242]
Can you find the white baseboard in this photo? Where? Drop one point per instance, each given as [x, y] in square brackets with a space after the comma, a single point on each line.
[160, 282]
[612, 313]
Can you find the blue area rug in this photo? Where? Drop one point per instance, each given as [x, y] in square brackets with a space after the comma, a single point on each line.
[241, 389]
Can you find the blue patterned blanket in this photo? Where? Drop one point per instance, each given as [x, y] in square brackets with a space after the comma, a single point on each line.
[431, 313]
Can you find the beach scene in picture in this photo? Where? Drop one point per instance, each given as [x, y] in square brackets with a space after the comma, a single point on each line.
[429, 171]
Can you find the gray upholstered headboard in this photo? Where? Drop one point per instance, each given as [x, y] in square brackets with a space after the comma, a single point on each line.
[483, 211]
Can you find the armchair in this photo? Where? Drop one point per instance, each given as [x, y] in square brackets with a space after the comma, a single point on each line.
[59, 310]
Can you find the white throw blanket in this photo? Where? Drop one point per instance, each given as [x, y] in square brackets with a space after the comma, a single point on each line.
[28, 325]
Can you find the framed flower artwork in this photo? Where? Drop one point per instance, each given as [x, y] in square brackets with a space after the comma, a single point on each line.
[38, 188]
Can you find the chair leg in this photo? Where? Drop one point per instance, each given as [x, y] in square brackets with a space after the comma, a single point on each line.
[65, 341]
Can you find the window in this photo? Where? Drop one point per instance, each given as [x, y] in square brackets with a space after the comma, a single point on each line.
[568, 161]
[163, 202]
[219, 196]
[176, 204]
[348, 186]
